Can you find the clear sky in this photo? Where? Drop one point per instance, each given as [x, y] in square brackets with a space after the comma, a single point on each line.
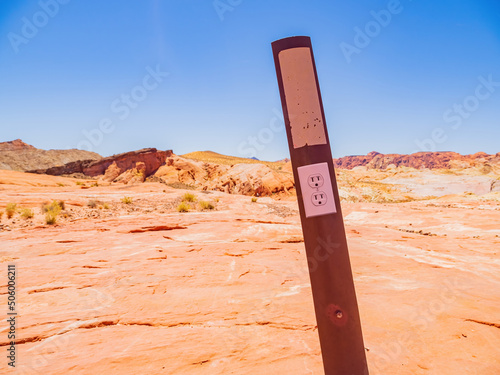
[118, 75]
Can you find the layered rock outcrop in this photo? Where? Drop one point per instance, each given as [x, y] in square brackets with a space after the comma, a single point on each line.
[419, 160]
[136, 166]
[247, 179]
[132, 166]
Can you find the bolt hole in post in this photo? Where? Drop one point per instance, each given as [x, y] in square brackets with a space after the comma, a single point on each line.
[334, 297]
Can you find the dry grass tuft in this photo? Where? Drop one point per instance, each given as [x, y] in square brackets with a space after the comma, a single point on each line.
[10, 210]
[183, 207]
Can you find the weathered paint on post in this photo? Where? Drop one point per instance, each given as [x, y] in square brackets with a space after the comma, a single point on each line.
[335, 304]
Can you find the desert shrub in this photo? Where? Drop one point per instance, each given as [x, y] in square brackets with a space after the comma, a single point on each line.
[44, 206]
[27, 213]
[92, 203]
[204, 205]
[79, 183]
[105, 206]
[127, 200]
[55, 205]
[254, 199]
[51, 217]
[60, 184]
[189, 197]
[95, 184]
[183, 207]
[1, 214]
[10, 210]
[52, 210]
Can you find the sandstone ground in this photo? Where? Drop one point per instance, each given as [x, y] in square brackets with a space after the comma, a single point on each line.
[129, 286]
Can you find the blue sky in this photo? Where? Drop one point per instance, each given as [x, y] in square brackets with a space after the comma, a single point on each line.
[114, 76]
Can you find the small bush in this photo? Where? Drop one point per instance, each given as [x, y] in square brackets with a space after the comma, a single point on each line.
[54, 206]
[60, 184]
[27, 213]
[204, 205]
[1, 214]
[92, 203]
[183, 207]
[10, 210]
[189, 197]
[51, 217]
[79, 183]
[52, 210]
[105, 206]
[95, 184]
[127, 200]
[254, 199]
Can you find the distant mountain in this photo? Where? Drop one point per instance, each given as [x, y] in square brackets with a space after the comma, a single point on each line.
[15, 145]
[419, 160]
[19, 156]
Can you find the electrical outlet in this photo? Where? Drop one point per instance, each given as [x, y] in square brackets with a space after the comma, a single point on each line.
[317, 191]
[316, 180]
[319, 198]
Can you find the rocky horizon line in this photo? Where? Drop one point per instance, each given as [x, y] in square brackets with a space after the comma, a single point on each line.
[19, 144]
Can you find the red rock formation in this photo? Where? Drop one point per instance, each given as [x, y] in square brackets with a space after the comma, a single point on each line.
[15, 145]
[134, 175]
[150, 157]
[251, 179]
[419, 160]
[247, 179]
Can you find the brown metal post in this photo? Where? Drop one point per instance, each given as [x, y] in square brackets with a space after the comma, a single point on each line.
[335, 304]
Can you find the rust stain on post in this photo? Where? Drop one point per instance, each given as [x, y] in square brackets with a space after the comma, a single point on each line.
[302, 99]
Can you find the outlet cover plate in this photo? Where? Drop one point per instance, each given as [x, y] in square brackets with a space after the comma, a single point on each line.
[310, 193]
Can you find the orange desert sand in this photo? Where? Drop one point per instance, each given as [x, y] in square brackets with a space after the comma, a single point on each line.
[139, 288]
